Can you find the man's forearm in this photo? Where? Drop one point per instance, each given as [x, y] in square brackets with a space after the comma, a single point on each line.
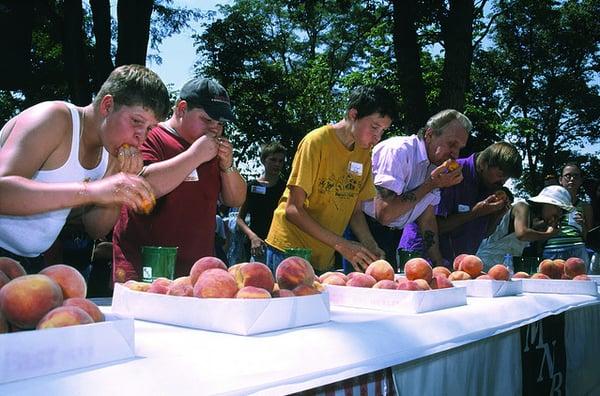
[392, 206]
[100, 221]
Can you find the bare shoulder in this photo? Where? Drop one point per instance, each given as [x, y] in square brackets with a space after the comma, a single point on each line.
[30, 138]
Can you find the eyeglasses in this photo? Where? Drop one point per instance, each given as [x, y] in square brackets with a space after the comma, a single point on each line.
[572, 176]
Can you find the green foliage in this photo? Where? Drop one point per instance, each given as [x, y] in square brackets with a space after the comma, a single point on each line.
[542, 77]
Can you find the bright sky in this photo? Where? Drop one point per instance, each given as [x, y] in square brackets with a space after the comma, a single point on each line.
[177, 52]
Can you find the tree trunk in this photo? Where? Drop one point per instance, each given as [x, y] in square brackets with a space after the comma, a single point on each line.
[408, 58]
[103, 63]
[16, 25]
[457, 34]
[134, 31]
[75, 62]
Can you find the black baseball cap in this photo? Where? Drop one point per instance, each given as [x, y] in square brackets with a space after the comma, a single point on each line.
[209, 95]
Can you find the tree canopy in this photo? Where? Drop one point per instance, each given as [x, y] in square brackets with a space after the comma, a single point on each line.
[525, 71]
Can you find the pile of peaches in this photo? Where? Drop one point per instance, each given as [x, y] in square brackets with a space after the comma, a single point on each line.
[210, 278]
[380, 275]
[572, 268]
[53, 298]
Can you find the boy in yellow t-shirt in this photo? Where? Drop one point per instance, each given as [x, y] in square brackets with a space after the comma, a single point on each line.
[330, 177]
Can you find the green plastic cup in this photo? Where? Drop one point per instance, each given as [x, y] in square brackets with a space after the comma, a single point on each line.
[157, 262]
[402, 256]
[305, 253]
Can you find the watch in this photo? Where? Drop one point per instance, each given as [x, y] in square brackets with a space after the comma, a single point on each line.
[230, 169]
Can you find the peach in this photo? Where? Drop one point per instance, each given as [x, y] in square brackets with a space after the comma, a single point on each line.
[457, 260]
[3, 324]
[87, 305]
[11, 268]
[408, 285]
[575, 266]
[252, 292]
[282, 293]
[361, 280]
[521, 275]
[548, 267]
[334, 280]
[440, 282]
[499, 272]
[582, 277]
[63, 317]
[459, 275]
[353, 274]
[422, 283]
[418, 268]
[485, 277]
[204, 264]
[304, 290]
[233, 270]
[294, 271]
[215, 283]
[539, 275]
[160, 286]
[560, 264]
[254, 274]
[182, 287]
[332, 273]
[26, 299]
[68, 278]
[385, 284]
[439, 270]
[318, 286]
[472, 265]
[380, 270]
[137, 286]
[451, 165]
[3, 279]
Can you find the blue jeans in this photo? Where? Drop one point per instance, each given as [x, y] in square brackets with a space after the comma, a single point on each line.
[274, 257]
[568, 252]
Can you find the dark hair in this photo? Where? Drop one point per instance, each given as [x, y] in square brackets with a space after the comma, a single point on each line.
[575, 165]
[374, 99]
[438, 122]
[504, 156]
[270, 149]
[136, 85]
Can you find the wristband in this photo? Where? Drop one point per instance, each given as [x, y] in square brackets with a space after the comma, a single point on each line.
[230, 169]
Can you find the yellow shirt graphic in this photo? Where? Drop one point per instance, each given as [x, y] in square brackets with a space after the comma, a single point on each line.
[334, 179]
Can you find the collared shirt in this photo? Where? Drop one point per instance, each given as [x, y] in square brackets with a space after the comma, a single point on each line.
[460, 198]
[400, 164]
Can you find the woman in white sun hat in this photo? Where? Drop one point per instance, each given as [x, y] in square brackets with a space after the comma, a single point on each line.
[536, 219]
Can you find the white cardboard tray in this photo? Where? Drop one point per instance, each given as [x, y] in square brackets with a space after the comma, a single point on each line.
[490, 288]
[403, 301]
[226, 315]
[560, 286]
[28, 354]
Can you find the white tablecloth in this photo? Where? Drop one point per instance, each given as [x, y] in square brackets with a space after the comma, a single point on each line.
[179, 361]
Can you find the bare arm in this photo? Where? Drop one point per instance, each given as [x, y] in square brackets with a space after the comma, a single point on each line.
[389, 205]
[522, 229]
[255, 242]
[588, 220]
[486, 207]
[428, 227]
[360, 228]
[295, 212]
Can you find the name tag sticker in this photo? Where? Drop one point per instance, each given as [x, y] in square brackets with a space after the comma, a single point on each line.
[355, 168]
[258, 189]
[192, 176]
[463, 208]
